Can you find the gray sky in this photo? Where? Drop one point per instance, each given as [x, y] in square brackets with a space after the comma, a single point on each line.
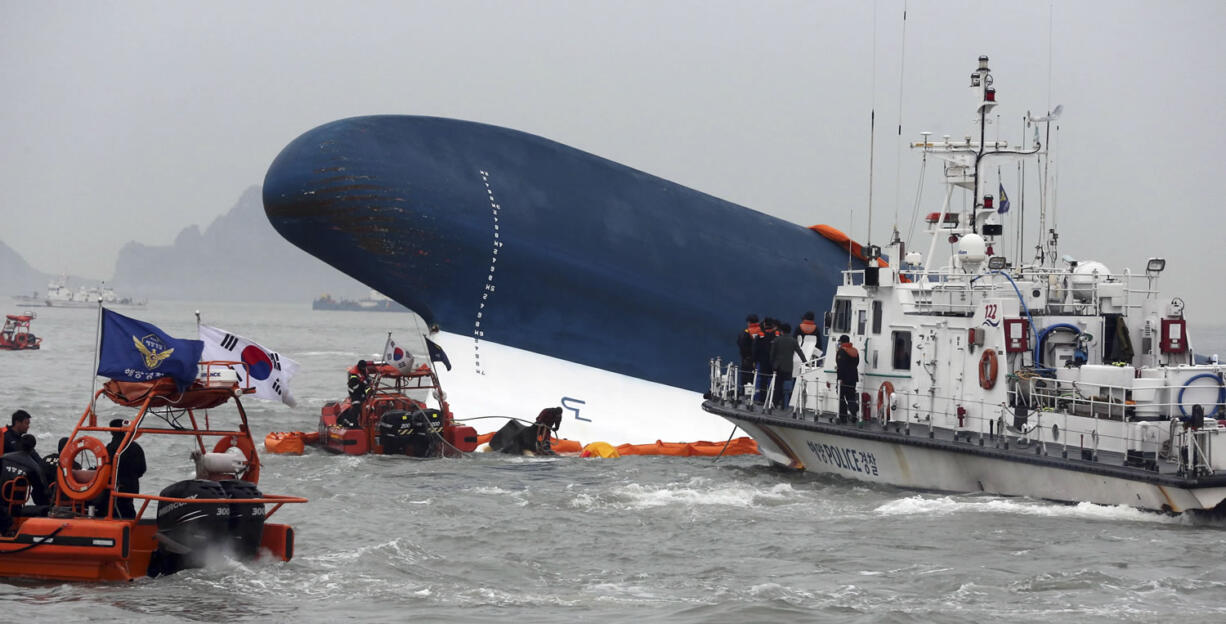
[131, 120]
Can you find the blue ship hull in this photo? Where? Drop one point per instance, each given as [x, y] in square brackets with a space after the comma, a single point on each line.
[522, 241]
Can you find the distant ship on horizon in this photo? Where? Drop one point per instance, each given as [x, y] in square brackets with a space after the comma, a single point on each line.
[59, 295]
[375, 302]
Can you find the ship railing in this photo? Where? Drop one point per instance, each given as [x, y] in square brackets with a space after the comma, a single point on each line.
[759, 389]
[1048, 430]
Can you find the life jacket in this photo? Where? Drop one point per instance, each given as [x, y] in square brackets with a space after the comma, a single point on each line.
[808, 327]
[754, 329]
[849, 350]
[4, 432]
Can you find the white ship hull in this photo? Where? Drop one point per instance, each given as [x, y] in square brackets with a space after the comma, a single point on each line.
[875, 454]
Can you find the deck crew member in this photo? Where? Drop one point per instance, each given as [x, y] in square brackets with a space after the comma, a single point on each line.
[359, 387]
[12, 433]
[745, 342]
[847, 364]
[782, 350]
[762, 355]
[24, 463]
[809, 335]
[130, 467]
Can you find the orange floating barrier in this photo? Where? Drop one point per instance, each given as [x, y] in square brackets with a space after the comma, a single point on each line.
[290, 442]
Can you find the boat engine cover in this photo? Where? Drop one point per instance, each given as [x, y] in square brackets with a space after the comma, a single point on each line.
[246, 524]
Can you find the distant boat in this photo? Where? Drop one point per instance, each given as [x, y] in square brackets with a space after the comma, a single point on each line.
[374, 303]
[59, 295]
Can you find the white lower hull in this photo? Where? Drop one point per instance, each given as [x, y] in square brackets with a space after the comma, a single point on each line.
[488, 379]
[928, 467]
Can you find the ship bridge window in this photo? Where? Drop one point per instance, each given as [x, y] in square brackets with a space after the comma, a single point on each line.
[902, 350]
[876, 317]
[861, 321]
[842, 316]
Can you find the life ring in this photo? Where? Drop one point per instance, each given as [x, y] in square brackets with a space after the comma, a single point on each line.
[73, 487]
[883, 400]
[988, 368]
[244, 444]
[1221, 393]
[21, 339]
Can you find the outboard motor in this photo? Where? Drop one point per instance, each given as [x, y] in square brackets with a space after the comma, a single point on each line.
[246, 525]
[416, 433]
[187, 531]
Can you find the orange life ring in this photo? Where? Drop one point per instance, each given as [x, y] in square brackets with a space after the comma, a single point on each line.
[883, 400]
[73, 487]
[244, 444]
[988, 367]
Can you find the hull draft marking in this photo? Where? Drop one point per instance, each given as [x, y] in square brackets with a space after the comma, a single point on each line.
[488, 288]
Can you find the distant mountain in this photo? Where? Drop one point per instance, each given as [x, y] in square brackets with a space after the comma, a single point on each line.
[238, 257]
[17, 277]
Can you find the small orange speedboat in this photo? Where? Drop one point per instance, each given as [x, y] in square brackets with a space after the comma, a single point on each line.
[405, 413]
[83, 537]
[16, 335]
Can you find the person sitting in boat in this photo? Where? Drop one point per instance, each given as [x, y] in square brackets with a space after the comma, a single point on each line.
[12, 433]
[24, 463]
[130, 467]
[359, 387]
[782, 350]
[52, 460]
[847, 369]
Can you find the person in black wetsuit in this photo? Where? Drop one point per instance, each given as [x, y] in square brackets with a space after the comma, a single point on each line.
[129, 468]
[12, 433]
[24, 463]
[745, 344]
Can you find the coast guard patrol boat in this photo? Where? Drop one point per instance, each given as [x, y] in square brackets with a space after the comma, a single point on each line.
[1053, 378]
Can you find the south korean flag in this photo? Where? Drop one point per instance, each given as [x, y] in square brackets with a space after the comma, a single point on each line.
[267, 371]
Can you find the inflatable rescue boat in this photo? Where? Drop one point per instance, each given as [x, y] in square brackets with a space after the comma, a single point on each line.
[404, 413]
[82, 536]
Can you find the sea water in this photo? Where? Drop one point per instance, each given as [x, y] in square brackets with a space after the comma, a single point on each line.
[492, 538]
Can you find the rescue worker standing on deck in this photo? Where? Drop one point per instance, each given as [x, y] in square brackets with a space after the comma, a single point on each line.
[130, 467]
[745, 342]
[359, 387]
[12, 433]
[762, 353]
[847, 364]
[782, 350]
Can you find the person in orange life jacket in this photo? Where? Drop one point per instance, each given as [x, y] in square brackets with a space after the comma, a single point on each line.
[745, 342]
[12, 433]
[847, 364]
[24, 463]
[809, 335]
[130, 467]
[782, 350]
[359, 387]
[762, 355]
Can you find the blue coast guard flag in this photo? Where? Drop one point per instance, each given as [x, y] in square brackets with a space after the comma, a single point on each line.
[133, 350]
[1004, 201]
[436, 353]
[267, 371]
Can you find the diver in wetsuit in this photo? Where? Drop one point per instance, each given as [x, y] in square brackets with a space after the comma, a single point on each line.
[130, 468]
[24, 463]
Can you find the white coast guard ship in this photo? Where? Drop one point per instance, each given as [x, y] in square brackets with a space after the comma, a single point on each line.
[1052, 379]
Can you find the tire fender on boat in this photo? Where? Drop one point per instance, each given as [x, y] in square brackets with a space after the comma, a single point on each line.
[69, 479]
[885, 398]
[244, 444]
[988, 368]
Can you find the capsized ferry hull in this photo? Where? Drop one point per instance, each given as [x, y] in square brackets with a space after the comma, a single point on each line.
[514, 239]
[891, 456]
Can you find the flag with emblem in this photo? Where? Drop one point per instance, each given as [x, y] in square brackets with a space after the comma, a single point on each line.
[397, 356]
[133, 350]
[436, 353]
[1004, 201]
[267, 371]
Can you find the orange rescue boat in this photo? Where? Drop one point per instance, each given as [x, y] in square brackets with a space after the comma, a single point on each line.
[82, 536]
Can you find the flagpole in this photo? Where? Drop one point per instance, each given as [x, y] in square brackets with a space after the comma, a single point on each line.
[94, 377]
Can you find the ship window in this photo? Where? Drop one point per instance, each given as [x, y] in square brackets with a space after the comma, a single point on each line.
[876, 317]
[842, 316]
[902, 350]
[861, 321]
